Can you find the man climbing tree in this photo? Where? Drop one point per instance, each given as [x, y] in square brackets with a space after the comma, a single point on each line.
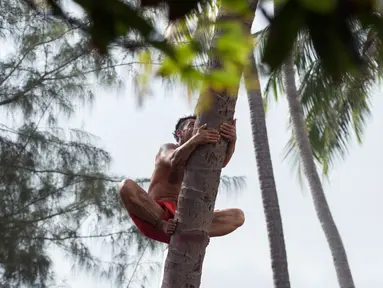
[153, 212]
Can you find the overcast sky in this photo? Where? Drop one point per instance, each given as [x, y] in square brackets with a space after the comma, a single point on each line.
[354, 192]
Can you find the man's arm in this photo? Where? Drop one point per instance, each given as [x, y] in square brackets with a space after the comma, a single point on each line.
[176, 156]
[229, 153]
[229, 132]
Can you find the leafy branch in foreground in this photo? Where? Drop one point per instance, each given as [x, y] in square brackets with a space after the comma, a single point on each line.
[329, 25]
[130, 23]
[132, 29]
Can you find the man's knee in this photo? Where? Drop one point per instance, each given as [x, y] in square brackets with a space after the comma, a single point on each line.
[239, 217]
[127, 189]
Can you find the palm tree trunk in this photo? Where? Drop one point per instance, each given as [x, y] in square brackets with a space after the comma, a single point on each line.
[266, 178]
[186, 250]
[322, 209]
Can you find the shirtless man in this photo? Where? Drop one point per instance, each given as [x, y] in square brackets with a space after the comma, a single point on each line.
[153, 212]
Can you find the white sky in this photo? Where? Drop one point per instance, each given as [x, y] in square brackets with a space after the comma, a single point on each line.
[133, 136]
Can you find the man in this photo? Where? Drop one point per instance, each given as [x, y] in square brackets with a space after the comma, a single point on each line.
[153, 212]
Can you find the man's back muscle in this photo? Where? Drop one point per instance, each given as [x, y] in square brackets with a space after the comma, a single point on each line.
[166, 181]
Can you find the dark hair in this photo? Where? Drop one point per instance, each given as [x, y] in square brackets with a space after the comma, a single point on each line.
[180, 124]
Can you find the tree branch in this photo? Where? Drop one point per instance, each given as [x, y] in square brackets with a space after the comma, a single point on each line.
[41, 199]
[15, 67]
[100, 69]
[33, 84]
[50, 216]
[94, 259]
[81, 236]
[87, 176]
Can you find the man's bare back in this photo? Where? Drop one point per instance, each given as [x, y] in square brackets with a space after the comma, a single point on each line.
[165, 184]
[153, 212]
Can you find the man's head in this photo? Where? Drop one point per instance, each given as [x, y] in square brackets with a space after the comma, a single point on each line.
[184, 128]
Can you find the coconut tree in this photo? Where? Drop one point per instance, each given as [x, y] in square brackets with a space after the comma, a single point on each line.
[333, 122]
[270, 201]
[323, 113]
[322, 208]
[186, 250]
[266, 179]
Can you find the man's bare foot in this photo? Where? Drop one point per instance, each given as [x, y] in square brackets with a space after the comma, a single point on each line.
[168, 227]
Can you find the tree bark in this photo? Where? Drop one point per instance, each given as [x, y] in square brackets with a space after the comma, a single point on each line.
[322, 208]
[270, 201]
[186, 250]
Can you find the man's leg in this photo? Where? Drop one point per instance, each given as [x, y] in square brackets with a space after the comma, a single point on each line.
[226, 221]
[141, 205]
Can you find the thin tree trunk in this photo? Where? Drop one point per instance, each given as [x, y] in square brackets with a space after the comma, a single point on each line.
[186, 250]
[266, 178]
[322, 209]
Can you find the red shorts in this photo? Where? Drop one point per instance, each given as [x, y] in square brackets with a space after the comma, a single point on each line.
[148, 230]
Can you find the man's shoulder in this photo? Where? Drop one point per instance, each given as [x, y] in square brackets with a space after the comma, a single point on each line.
[165, 149]
[168, 146]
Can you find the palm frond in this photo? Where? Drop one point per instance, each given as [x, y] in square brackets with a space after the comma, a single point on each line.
[274, 85]
[335, 113]
[229, 184]
[196, 29]
[291, 153]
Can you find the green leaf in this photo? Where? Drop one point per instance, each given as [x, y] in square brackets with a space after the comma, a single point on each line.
[282, 34]
[220, 79]
[323, 6]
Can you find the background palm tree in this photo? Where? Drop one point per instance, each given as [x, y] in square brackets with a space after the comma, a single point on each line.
[270, 201]
[323, 113]
[322, 208]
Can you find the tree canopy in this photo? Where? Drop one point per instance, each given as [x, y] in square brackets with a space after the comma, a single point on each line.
[54, 180]
[130, 24]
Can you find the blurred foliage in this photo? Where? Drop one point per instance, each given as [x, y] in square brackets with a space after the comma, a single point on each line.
[329, 24]
[131, 25]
